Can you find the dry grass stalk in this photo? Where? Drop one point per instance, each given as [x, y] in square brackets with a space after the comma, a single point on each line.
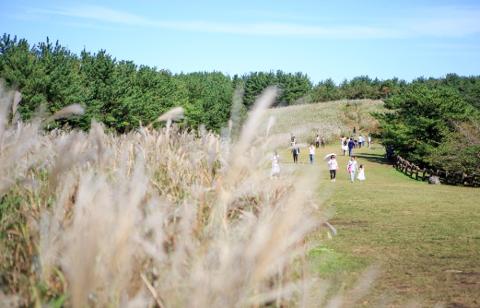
[143, 218]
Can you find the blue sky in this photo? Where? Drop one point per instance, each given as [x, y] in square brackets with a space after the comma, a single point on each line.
[325, 39]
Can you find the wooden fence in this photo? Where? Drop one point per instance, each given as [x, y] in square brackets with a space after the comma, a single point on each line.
[422, 174]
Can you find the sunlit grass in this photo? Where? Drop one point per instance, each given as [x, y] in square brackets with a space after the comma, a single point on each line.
[426, 238]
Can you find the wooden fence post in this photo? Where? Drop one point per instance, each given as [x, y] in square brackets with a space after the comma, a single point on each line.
[424, 174]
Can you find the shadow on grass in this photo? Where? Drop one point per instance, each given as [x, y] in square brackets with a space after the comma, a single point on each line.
[374, 158]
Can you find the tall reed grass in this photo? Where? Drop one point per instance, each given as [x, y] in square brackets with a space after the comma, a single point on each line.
[154, 217]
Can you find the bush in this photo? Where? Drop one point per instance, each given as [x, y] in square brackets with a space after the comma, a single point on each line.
[460, 152]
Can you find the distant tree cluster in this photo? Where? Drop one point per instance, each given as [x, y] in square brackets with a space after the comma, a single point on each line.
[361, 87]
[120, 94]
[436, 123]
[294, 87]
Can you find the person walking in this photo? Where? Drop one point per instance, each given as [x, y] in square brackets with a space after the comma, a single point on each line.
[351, 145]
[361, 141]
[345, 147]
[344, 144]
[369, 140]
[317, 141]
[295, 153]
[352, 168]
[275, 165]
[333, 167]
[311, 153]
[361, 173]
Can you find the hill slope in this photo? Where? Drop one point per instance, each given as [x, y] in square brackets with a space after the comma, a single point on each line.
[329, 119]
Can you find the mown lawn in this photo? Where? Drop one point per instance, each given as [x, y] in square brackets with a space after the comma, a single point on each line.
[425, 238]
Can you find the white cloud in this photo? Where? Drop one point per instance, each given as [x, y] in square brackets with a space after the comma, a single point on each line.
[443, 22]
[98, 13]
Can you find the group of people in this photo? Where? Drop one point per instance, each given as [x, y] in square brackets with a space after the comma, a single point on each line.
[348, 144]
[319, 141]
[295, 148]
[354, 170]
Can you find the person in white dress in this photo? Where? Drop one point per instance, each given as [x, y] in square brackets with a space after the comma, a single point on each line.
[361, 173]
[352, 168]
[275, 164]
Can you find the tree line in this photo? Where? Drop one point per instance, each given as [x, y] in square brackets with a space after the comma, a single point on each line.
[123, 95]
[430, 121]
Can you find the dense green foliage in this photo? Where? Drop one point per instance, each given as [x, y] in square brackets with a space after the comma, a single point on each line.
[123, 95]
[294, 87]
[118, 93]
[209, 98]
[361, 87]
[435, 123]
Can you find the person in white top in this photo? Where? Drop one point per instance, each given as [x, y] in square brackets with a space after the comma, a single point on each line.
[344, 144]
[352, 168]
[275, 164]
[361, 141]
[333, 167]
[361, 173]
[311, 152]
[369, 140]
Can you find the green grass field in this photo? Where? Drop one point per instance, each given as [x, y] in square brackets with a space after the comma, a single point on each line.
[425, 238]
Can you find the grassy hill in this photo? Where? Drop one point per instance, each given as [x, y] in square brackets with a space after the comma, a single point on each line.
[423, 239]
[329, 119]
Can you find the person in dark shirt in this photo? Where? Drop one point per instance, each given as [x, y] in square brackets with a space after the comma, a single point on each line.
[351, 145]
[295, 153]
